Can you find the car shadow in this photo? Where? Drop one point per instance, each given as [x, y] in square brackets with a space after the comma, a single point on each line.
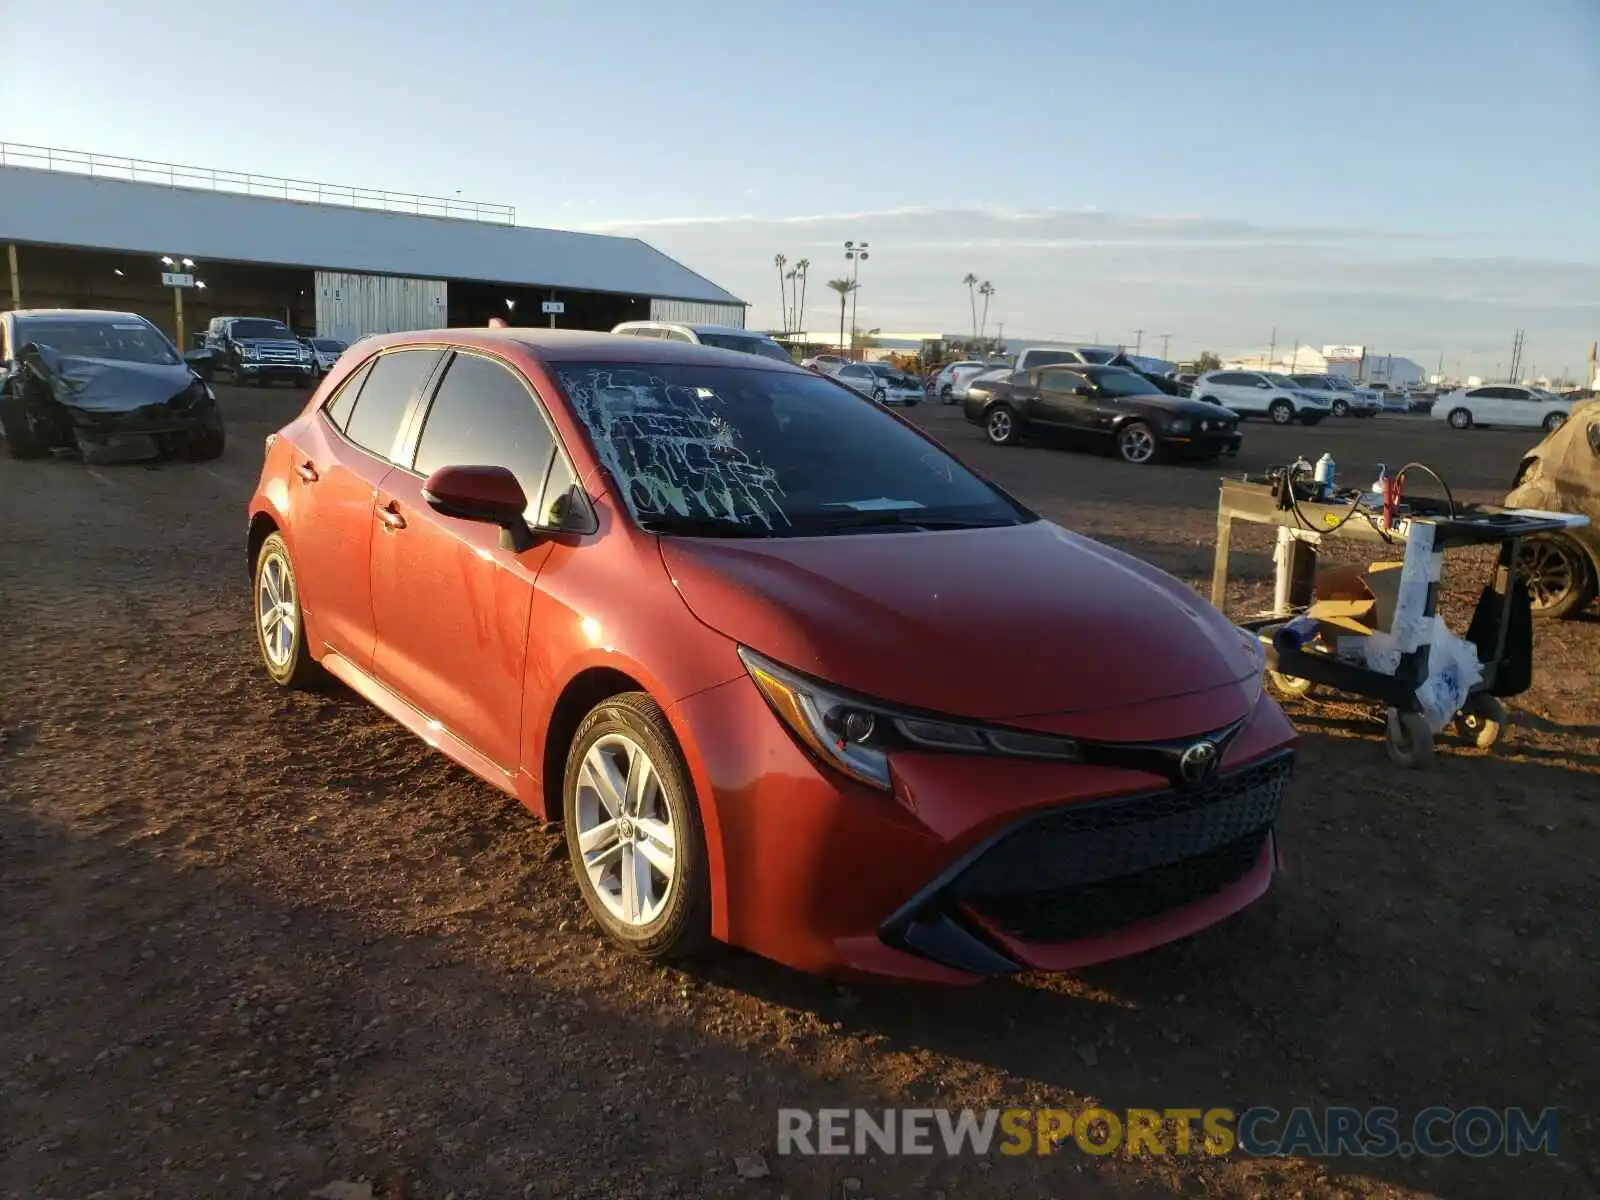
[1416, 951]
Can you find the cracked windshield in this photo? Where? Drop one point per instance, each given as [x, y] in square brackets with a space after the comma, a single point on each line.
[855, 602]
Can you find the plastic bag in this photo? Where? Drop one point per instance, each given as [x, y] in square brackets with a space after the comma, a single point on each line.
[1453, 670]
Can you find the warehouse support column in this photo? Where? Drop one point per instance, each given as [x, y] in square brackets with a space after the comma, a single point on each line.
[16, 275]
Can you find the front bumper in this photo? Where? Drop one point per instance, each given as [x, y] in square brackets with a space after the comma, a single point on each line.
[1205, 445]
[275, 370]
[975, 866]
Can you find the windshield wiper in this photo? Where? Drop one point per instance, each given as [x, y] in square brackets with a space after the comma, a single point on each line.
[910, 519]
[671, 523]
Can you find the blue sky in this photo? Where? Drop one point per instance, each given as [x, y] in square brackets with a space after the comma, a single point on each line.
[1422, 176]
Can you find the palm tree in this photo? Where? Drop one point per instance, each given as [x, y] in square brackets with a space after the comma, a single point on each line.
[971, 281]
[986, 291]
[793, 277]
[804, 268]
[844, 287]
[783, 305]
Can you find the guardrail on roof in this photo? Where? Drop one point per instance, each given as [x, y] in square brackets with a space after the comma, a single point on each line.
[140, 170]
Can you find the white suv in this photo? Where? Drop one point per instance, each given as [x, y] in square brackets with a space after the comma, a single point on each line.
[723, 337]
[1262, 394]
[950, 384]
[1346, 400]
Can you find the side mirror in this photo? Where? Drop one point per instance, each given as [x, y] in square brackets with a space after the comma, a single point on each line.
[490, 495]
[1083, 389]
[1264, 386]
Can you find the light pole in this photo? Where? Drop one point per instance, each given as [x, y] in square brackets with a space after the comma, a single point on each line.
[1165, 339]
[178, 275]
[855, 253]
[1138, 342]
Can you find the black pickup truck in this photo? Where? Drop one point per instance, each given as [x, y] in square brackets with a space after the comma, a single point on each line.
[259, 350]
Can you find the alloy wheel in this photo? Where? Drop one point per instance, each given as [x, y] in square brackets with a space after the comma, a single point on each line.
[275, 610]
[1282, 412]
[1461, 419]
[1137, 444]
[1551, 569]
[1554, 421]
[625, 830]
[1000, 426]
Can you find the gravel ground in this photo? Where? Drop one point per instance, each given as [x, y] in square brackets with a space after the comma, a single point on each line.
[257, 943]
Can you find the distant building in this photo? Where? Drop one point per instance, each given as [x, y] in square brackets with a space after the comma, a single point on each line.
[1353, 362]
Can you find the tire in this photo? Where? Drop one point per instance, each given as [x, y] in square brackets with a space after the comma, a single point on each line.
[1281, 412]
[1001, 427]
[211, 439]
[21, 439]
[1137, 445]
[622, 736]
[1341, 408]
[1291, 687]
[288, 661]
[1409, 740]
[1559, 575]
[1460, 418]
[879, 396]
[1554, 421]
[1481, 721]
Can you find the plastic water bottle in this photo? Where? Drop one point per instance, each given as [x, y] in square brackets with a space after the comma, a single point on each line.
[1375, 496]
[1324, 474]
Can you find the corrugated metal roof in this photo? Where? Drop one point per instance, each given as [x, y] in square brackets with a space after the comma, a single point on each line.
[63, 209]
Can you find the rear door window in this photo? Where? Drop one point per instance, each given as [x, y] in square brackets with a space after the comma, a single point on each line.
[386, 396]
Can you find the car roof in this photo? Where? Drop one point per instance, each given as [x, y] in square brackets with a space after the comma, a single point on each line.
[728, 330]
[77, 314]
[581, 345]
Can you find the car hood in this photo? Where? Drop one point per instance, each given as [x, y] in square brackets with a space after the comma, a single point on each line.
[984, 623]
[1178, 406]
[104, 385]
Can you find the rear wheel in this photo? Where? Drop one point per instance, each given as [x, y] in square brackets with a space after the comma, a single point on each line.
[1136, 444]
[280, 628]
[1554, 421]
[1001, 426]
[634, 830]
[1460, 418]
[1281, 412]
[1558, 574]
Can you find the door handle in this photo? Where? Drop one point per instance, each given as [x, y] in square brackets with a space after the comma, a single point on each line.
[307, 472]
[389, 514]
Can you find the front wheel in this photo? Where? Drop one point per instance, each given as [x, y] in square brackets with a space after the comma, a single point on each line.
[1460, 418]
[1554, 421]
[634, 831]
[1341, 408]
[1001, 426]
[1136, 444]
[210, 439]
[280, 624]
[1281, 412]
[21, 439]
[879, 396]
[1558, 574]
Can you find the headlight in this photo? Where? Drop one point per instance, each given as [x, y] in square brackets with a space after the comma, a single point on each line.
[1180, 425]
[856, 735]
[248, 351]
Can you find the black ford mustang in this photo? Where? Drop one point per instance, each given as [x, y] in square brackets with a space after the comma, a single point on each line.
[1110, 407]
[108, 386]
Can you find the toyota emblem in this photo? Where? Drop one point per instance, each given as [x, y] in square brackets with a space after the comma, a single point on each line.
[1198, 762]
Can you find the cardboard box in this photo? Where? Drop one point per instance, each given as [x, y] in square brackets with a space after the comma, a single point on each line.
[1356, 600]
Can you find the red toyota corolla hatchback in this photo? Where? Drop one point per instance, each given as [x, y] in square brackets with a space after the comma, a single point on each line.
[789, 674]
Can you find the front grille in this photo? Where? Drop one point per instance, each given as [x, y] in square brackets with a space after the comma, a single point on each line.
[1064, 914]
[278, 354]
[1084, 844]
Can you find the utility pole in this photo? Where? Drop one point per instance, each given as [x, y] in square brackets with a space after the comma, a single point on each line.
[1138, 341]
[1272, 348]
[856, 253]
[1441, 368]
[1166, 339]
[1516, 356]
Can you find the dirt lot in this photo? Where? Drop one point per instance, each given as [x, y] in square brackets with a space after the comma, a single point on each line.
[254, 943]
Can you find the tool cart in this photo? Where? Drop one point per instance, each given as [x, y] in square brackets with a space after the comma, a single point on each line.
[1398, 663]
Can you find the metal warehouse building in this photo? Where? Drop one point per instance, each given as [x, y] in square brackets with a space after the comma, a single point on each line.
[90, 231]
